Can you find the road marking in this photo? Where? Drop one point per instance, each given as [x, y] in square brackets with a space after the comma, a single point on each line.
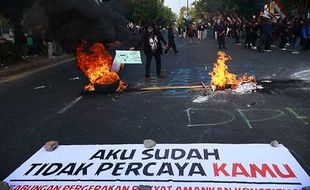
[298, 116]
[302, 75]
[64, 109]
[248, 122]
[190, 123]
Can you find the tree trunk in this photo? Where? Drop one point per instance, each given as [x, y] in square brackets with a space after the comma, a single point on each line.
[18, 31]
[18, 35]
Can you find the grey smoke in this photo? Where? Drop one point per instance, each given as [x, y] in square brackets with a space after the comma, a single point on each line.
[71, 21]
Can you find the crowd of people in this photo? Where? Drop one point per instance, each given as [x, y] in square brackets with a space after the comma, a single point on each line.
[259, 32]
[35, 43]
[39, 42]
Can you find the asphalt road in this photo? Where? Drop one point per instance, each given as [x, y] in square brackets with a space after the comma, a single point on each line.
[49, 105]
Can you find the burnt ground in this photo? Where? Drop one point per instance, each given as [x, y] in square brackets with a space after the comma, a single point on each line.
[60, 111]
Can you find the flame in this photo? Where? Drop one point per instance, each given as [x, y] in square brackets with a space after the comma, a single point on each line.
[96, 65]
[221, 77]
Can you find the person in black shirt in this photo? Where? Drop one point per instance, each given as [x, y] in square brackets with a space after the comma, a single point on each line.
[221, 32]
[297, 34]
[151, 41]
[254, 33]
[236, 31]
[283, 35]
[171, 43]
[247, 43]
[200, 28]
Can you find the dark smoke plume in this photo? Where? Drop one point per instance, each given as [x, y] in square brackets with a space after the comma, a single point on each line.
[71, 21]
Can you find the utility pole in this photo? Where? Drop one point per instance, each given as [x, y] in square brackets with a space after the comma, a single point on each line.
[187, 8]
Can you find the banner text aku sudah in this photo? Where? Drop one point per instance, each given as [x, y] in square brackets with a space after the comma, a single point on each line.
[177, 164]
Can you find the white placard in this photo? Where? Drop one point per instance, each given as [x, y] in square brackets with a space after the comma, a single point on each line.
[166, 167]
[128, 57]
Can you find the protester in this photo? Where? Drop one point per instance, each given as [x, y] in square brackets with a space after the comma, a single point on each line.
[24, 47]
[283, 30]
[50, 46]
[215, 27]
[30, 46]
[236, 31]
[191, 33]
[297, 34]
[304, 35]
[262, 34]
[268, 30]
[184, 31]
[308, 33]
[254, 33]
[171, 42]
[200, 30]
[221, 33]
[207, 28]
[248, 31]
[180, 30]
[151, 41]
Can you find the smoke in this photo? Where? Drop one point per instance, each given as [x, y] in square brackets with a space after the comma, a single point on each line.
[71, 21]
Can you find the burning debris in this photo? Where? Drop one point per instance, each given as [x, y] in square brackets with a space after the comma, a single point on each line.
[73, 21]
[96, 65]
[222, 79]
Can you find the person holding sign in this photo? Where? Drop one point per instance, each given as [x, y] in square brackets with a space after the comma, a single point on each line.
[151, 41]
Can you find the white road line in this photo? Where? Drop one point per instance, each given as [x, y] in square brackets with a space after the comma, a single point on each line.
[64, 109]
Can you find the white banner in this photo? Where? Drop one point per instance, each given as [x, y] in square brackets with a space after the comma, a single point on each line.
[166, 167]
[128, 57]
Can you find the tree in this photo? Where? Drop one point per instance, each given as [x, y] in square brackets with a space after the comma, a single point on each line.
[14, 10]
[301, 7]
[192, 15]
[228, 7]
[141, 11]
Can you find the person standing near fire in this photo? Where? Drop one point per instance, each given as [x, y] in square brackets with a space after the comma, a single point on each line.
[171, 42]
[221, 31]
[151, 41]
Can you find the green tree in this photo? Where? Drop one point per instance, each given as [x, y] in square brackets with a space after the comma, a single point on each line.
[14, 10]
[299, 6]
[152, 11]
[192, 14]
[142, 11]
[228, 7]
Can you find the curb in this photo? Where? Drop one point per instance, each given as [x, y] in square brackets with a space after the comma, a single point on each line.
[28, 69]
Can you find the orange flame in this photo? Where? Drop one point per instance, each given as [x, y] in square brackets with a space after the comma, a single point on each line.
[96, 65]
[221, 77]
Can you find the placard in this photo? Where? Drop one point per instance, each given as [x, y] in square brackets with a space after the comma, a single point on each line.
[128, 57]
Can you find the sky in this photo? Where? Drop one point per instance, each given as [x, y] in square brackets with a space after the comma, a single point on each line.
[176, 5]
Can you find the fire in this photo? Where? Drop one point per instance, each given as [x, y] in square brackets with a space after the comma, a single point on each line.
[222, 78]
[96, 65]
